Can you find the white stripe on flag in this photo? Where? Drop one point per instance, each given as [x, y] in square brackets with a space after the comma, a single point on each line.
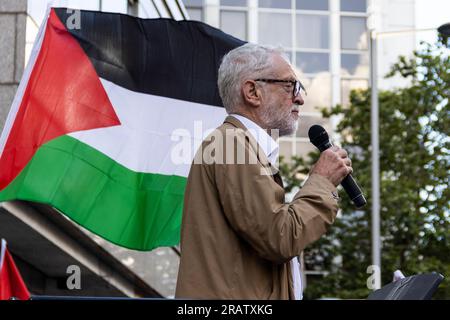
[145, 139]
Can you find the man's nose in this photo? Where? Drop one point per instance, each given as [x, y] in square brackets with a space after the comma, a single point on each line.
[299, 100]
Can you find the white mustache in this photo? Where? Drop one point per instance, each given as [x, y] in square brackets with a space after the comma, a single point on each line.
[295, 108]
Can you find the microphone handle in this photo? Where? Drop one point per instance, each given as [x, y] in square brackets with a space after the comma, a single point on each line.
[348, 183]
[351, 187]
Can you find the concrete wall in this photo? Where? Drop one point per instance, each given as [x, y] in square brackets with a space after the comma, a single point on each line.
[13, 15]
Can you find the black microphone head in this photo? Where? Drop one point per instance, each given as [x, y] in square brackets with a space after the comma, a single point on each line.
[318, 136]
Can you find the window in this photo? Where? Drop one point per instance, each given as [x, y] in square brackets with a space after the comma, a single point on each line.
[353, 33]
[234, 23]
[275, 29]
[194, 9]
[289, 55]
[319, 92]
[312, 62]
[195, 14]
[280, 4]
[355, 64]
[312, 4]
[312, 31]
[354, 5]
[347, 85]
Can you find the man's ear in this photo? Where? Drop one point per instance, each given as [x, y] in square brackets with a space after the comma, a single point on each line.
[251, 93]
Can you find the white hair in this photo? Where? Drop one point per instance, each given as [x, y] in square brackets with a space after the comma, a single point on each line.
[249, 61]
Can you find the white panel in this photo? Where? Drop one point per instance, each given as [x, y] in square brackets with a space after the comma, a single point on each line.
[212, 15]
[313, 31]
[395, 15]
[120, 6]
[399, 14]
[195, 14]
[252, 23]
[234, 23]
[82, 4]
[275, 29]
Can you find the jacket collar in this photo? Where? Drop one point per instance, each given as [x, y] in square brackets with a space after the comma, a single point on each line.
[265, 141]
[253, 143]
[235, 122]
[256, 147]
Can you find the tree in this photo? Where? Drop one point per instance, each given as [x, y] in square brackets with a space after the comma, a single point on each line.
[414, 179]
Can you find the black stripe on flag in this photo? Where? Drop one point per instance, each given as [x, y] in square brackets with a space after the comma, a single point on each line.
[164, 57]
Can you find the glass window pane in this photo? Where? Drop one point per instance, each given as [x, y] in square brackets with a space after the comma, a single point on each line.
[281, 4]
[195, 13]
[348, 85]
[319, 92]
[114, 6]
[192, 3]
[312, 31]
[289, 55]
[353, 33]
[312, 62]
[311, 4]
[275, 29]
[238, 3]
[355, 64]
[353, 5]
[234, 23]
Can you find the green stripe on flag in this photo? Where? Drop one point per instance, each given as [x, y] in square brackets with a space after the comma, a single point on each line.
[136, 210]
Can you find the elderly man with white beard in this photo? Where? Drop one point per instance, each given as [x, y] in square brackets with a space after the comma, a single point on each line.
[239, 238]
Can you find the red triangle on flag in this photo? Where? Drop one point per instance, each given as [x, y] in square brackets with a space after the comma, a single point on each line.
[63, 95]
[11, 283]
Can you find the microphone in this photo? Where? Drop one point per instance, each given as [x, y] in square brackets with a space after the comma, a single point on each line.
[319, 138]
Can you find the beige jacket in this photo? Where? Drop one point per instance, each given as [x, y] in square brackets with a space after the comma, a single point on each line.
[238, 234]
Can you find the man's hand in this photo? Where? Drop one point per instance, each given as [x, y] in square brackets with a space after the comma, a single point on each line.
[334, 164]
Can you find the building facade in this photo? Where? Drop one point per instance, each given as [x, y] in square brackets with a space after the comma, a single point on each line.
[326, 40]
[328, 43]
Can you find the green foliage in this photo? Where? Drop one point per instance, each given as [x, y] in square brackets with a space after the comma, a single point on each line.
[415, 198]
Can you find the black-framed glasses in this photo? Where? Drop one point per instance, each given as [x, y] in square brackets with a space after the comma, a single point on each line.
[297, 86]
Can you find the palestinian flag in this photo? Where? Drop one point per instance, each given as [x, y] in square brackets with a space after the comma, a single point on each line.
[101, 107]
